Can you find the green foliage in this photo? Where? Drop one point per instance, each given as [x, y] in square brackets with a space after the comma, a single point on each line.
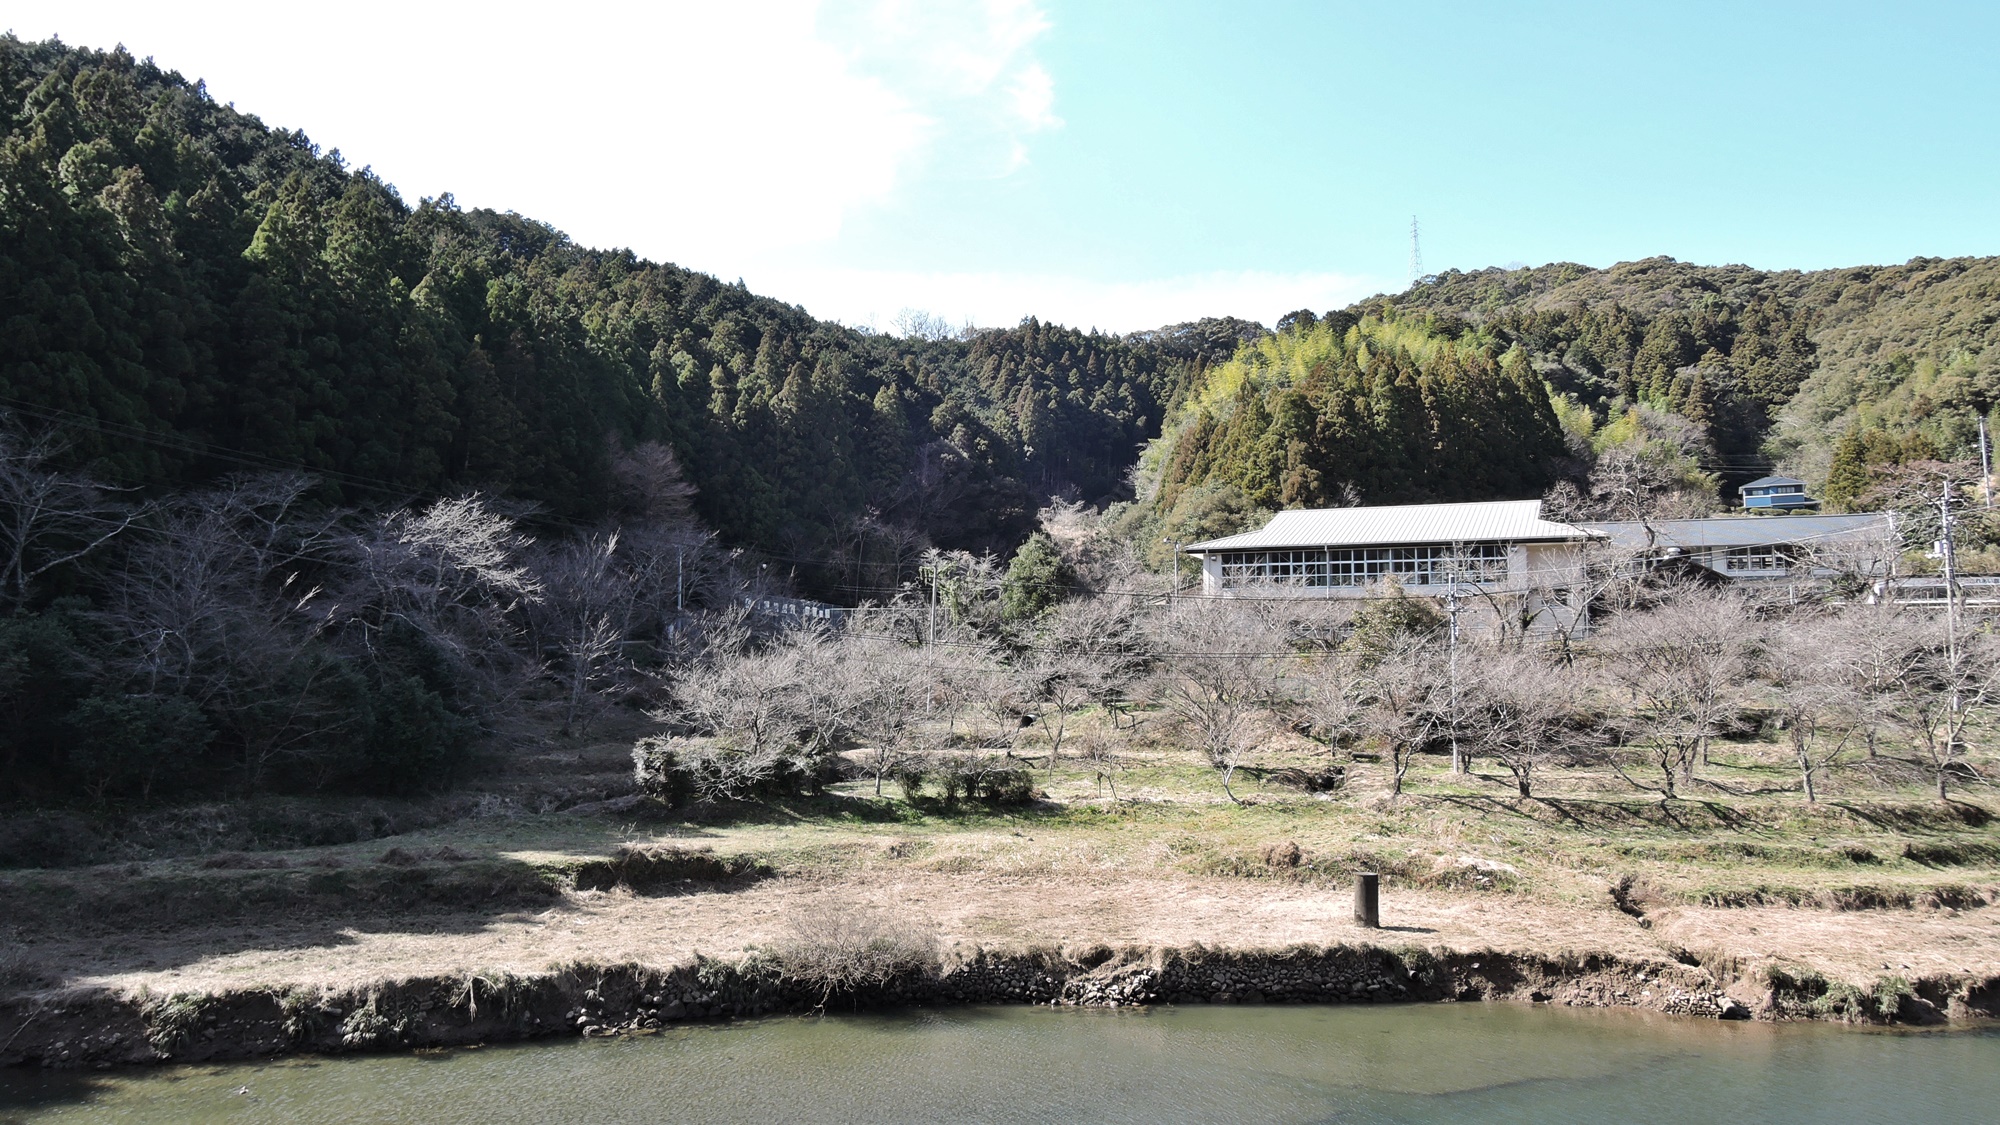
[415, 742]
[173, 1021]
[1778, 364]
[193, 291]
[1847, 475]
[1036, 580]
[971, 777]
[1380, 410]
[1382, 622]
[124, 744]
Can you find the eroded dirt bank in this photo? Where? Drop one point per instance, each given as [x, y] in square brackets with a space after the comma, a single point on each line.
[78, 1030]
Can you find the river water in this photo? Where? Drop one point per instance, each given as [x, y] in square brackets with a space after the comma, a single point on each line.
[1410, 1063]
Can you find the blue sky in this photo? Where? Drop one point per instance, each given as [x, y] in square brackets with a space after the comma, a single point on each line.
[1129, 164]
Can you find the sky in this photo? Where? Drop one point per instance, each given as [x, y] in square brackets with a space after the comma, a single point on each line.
[1127, 165]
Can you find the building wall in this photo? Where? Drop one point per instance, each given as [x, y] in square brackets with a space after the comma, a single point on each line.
[1522, 568]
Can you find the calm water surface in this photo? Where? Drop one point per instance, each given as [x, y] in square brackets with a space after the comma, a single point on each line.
[1419, 1063]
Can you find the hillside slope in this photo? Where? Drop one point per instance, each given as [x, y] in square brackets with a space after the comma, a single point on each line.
[185, 292]
[1908, 349]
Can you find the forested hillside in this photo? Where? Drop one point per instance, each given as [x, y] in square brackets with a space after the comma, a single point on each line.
[1342, 410]
[186, 292]
[1778, 367]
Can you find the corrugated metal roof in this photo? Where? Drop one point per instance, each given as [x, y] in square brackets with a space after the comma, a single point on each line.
[1492, 521]
[1766, 482]
[1742, 531]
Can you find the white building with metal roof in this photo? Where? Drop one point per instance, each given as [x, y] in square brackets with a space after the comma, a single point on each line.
[1502, 546]
[1749, 548]
[1507, 547]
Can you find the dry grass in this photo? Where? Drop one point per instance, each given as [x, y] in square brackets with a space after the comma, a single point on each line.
[834, 946]
[1745, 871]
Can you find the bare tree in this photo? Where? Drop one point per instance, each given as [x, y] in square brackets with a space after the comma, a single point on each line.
[584, 620]
[1526, 712]
[1065, 683]
[213, 607]
[1684, 665]
[1809, 663]
[749, 701]
[1105, 639]
[831, 692]
[916, 324]
[1950, 687]
[1329, 702]
[48, 519]
[1221, 664]
[1408, 701]
[452, 572]
[897, 693]
[1882, 646]
[1104, 761]
[650, 487]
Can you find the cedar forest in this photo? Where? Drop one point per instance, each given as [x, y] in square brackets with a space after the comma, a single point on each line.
[379, 446]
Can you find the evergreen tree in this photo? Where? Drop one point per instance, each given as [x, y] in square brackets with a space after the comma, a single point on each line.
[1036, 579]
[1847, 478]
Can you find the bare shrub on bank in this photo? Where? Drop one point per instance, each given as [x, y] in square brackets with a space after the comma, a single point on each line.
[838, 948]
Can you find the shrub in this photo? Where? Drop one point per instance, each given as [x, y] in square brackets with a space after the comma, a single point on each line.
[1285, 853]
[415, 741]
[647, 867]
[126, 744]
[171, 1021]
[18, 973]
[839, 948]
[677, 770]
[1323, 779]
[973, 777]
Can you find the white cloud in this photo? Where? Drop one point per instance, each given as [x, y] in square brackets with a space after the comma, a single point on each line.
[711, 134]
[734, 138]
[874, 297]
[969, 66]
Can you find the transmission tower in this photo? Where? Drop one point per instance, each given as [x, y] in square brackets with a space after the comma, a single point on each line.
[1416, 253]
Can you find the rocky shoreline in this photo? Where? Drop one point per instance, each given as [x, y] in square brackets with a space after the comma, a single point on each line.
[72, 1030]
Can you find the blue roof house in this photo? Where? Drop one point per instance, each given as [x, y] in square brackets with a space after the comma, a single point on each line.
[1777, 494]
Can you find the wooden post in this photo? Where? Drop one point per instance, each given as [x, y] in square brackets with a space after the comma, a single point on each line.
[1367, 899]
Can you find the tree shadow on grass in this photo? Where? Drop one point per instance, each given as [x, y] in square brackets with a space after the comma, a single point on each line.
[72, 926]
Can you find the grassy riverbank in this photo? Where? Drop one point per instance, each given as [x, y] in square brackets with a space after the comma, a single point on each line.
[1870, 886]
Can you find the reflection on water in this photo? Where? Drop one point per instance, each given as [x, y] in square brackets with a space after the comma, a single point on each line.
[1414, 1063]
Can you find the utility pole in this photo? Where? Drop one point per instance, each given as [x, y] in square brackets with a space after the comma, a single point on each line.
[1416, 253]
[1451, 655]
[931, 572]
[1985, 466]
[679, 607]
[1174, 578]
[1950, 555]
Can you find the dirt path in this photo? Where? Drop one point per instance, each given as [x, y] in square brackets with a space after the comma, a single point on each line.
[1129, 910]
